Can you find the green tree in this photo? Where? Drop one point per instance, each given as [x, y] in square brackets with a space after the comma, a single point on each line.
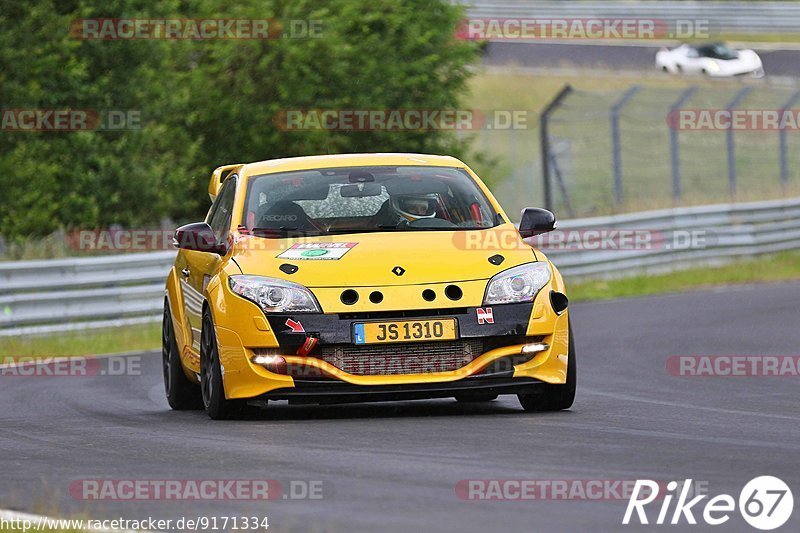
[55, 179]
[206, 102]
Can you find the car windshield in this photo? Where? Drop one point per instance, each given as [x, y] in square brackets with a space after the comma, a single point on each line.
[718, 51]
[365, 199]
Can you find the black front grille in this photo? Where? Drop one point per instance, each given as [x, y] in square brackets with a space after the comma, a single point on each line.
[406, 358]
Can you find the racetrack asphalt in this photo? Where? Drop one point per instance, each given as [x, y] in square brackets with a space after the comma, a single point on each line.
[395, 466]
[627, 57]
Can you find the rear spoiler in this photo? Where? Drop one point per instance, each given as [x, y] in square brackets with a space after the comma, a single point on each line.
[218, 177]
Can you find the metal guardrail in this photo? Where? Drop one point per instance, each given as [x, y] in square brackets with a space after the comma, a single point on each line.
[680, 238]
[728, 17]
[67, 294]
[64, 294]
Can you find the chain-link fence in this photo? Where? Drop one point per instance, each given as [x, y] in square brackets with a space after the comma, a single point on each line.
[647, 147]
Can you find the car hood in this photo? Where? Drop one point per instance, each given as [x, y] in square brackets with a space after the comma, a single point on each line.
[745, 57]
[372, 259]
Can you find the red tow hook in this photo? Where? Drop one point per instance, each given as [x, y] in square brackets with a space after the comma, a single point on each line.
[307, 346]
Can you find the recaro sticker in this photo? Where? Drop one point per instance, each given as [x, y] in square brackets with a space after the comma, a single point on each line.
[317, 250]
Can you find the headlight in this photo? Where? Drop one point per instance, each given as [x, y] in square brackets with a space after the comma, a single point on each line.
[519, 284]
[275, 295]
[713, 65]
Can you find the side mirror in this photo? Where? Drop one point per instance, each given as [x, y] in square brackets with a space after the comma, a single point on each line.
[199, 237]
[536, 221]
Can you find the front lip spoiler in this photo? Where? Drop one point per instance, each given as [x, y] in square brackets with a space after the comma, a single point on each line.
[332, 392]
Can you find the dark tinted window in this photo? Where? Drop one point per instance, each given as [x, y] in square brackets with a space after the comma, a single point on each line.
[222, 210]
[359, 199]
[718, 51]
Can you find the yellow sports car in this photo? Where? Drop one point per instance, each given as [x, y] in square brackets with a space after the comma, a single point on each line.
[362, 277]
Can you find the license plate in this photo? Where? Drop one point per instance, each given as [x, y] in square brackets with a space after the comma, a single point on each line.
[404, 331]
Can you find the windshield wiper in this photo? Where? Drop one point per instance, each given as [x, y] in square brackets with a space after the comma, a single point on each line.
[375, 229]
[287, 230]
[283, 230]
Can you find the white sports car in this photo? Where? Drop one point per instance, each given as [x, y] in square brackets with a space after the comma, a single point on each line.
[714, 59]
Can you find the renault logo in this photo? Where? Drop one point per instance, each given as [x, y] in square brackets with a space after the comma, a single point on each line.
[398, 271]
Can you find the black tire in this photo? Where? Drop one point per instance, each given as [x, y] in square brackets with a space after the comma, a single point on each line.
[182, 394]
[475, 397]
[555, 397]
[212, 388]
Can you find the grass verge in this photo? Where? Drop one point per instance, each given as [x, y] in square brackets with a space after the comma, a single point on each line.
[106, 341]
[756, 38]
[778, 267]
[579, 132]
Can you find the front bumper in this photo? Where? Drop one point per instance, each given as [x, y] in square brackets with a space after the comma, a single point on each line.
[333, 392]
[501, 366]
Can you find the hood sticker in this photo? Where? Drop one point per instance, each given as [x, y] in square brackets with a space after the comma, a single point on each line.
[317, 250]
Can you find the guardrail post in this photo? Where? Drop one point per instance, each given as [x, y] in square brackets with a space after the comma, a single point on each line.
[544, 137]
[674, 148]
[616, 149]
[782, 139]
[733, 104]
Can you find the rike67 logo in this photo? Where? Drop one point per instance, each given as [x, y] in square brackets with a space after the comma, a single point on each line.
[765, 503]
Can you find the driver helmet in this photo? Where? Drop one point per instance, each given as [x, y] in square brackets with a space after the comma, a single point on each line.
[415, 206]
